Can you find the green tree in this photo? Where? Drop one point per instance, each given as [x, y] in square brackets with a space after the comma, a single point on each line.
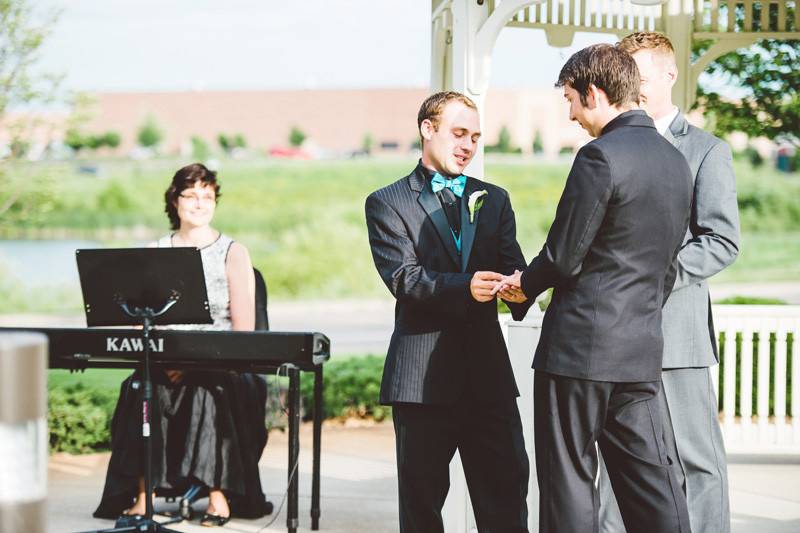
[239, 141]
[767, 75]
[504, 140]
[22, 34]
[149, 135]
[367, 143]
[19, 147]
[538, 145]
[75, 140]
[93, 142]
[225, 143]
[23, 31]
[112, 139]
[296, 137]
[200, 149]
[503, 145]
[79, 141]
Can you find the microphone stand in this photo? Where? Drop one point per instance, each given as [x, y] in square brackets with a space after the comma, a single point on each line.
[146, 315]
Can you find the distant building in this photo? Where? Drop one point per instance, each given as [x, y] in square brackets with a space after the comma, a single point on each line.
[334, 121]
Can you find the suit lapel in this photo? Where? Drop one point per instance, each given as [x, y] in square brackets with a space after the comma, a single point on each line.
[676, 130]
[430, 203]
[467, 228]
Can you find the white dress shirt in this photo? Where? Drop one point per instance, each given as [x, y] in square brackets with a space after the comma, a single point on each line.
[663, 123]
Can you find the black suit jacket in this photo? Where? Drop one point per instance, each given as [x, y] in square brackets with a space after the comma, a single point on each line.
[610, 254]
[445, 346]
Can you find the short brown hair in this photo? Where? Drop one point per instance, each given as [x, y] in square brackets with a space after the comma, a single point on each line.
[647, 40]
[431, 109]
[606, 67]
[185, 178]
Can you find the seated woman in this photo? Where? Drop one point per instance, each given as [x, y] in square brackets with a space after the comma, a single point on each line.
[210, 424]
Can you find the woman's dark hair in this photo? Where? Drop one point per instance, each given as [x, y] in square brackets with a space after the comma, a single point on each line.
[185, 178]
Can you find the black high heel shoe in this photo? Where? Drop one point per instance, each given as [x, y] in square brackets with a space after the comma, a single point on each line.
[128, 520]
[213, 520]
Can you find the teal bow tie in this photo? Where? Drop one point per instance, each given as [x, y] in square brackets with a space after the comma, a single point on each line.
[456, 184]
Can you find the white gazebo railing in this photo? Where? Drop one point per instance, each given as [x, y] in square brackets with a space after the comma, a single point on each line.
[759, 376]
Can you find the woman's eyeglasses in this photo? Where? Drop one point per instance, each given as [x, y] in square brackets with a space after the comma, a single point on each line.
[204, 199]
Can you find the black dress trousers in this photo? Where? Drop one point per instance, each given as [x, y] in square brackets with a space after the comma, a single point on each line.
[570, 416]
[490, 441]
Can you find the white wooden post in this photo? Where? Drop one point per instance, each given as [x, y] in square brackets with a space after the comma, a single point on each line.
[729, 376]
[796, 383]
[746, 397]
[780, 382]
[523, 337]
[23, 432]
[762, 390]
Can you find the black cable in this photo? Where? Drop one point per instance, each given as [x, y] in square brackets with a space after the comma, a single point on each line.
[283, 498]
[285, 410]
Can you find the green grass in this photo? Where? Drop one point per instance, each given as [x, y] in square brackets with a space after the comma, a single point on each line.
[765, 257]
[303, 222]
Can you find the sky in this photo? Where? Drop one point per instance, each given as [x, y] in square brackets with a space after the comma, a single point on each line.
[177, 45]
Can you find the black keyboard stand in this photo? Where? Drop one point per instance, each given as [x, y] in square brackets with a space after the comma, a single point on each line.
[147, 524]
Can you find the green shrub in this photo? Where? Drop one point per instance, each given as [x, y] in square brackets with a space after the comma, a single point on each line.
[149, 134]
[79, 418]
[200, 149]
[114, 198]
[296, 136]
[351, 388]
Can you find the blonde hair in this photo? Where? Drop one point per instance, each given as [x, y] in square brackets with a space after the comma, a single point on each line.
[647, 40]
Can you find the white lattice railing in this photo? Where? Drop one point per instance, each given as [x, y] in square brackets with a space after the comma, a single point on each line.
[712, 18]
[720, 16]
[758, 381]
[590, 15]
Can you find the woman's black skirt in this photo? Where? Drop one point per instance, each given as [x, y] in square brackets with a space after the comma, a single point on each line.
[208, 429]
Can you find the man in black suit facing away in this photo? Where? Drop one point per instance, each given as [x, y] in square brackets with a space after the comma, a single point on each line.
[441, 241]
[610, 255]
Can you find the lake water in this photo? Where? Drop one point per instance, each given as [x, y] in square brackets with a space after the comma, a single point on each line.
[42, 262]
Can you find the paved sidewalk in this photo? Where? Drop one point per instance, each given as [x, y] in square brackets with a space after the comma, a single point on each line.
[359, 487]
[359, 491]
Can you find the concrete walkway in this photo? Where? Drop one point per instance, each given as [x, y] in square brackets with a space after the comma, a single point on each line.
[359, 491]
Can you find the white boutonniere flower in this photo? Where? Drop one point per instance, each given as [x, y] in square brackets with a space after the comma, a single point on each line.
[474, 203]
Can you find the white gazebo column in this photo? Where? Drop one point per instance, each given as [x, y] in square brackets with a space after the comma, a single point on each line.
[678, 28]
[463, 36]
[464, 19]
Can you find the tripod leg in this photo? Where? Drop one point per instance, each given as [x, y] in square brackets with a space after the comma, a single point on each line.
[294, 447]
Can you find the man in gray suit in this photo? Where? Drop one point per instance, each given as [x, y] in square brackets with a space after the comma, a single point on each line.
[710, 245]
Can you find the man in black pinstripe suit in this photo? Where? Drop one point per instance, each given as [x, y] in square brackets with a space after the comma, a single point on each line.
[441, 242]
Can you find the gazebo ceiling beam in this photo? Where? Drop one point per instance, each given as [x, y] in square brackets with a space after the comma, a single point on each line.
[486, 37]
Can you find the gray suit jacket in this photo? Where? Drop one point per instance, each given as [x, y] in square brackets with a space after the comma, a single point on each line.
[711, 244]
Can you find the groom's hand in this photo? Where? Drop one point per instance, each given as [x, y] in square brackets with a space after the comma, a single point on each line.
[483, 285]
[510, 288]
[512, 295]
